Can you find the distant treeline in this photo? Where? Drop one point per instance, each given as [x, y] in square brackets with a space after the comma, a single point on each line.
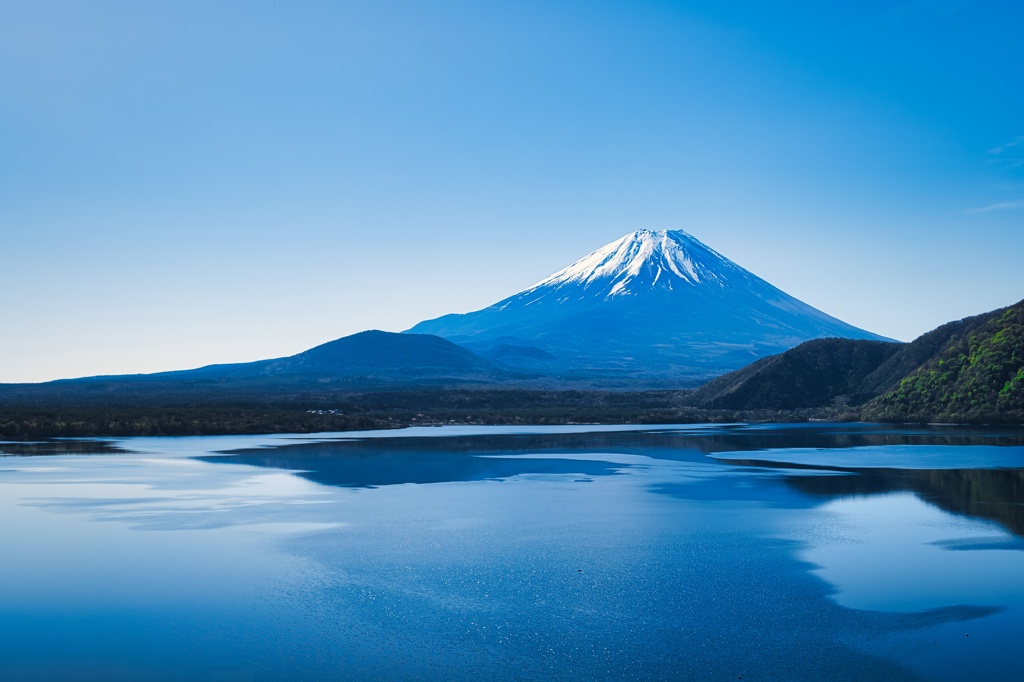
[968, 371]
[106, 415]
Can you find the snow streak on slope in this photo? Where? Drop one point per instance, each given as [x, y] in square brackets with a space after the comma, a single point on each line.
[640, 261]
[652, 304]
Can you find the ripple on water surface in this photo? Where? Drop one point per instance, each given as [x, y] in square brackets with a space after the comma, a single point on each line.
[516, 554]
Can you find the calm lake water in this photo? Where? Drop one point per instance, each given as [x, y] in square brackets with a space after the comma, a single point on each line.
[809, 552]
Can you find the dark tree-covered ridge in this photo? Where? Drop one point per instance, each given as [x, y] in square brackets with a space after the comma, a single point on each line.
[971, 370]
[978, 375]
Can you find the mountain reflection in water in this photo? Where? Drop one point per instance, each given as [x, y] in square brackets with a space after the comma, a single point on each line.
[995, 494]
[773, 552]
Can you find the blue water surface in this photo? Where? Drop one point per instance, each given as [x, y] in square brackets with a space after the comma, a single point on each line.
[783, 552]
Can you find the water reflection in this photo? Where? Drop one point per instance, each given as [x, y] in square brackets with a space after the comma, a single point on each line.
[805, 457]
[993, 494]
[892, 553]
[58, 446]
[369, 464]
[761, 552]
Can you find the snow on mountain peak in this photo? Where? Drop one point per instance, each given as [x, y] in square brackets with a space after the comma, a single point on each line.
[650, 304]
[643, 260]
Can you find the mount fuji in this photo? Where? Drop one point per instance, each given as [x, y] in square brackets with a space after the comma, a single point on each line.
[653, 305]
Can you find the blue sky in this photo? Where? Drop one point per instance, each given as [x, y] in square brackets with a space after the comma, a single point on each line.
[196, 182]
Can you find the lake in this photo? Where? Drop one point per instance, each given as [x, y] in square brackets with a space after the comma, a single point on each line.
[707, 552]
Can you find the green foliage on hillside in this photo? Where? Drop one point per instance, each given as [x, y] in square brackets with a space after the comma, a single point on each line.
[916, 353]
[971, 370]
[978, 376]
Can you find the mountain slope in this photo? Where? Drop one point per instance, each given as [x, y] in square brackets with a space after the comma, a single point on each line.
[368, 355]
[919, 351]
[971, 370]
[653, 304]
[377, 353]
[978, 375]
[816, 373]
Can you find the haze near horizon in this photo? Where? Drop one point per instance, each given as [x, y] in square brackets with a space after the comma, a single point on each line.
[190, 184]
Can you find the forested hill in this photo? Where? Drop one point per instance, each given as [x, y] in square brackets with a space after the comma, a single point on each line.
[971, 370]
[976, 376]
[816, 373]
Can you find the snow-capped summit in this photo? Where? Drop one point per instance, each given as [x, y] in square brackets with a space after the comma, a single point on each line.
[642, 260]
[657, 305]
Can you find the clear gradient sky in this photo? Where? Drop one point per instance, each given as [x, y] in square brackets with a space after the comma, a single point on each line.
[184, 183]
